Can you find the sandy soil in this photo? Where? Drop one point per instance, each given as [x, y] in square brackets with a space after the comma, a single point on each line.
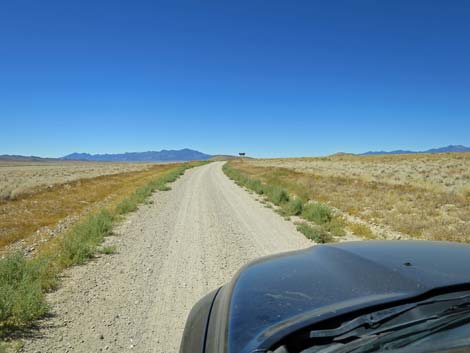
[189, 241]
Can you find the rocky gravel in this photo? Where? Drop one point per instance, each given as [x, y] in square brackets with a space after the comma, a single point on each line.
[181, 245]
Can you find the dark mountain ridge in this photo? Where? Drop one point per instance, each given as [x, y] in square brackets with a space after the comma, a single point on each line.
[185, 154]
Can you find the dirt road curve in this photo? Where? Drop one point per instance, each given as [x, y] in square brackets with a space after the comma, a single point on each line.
[191, 240]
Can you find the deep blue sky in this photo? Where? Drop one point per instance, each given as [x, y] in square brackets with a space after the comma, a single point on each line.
[272, 78]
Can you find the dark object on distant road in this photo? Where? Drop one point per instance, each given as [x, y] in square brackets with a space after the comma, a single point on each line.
[242, 154]
[401, 296]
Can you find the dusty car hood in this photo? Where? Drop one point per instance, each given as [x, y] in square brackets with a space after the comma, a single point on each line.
[276, 295]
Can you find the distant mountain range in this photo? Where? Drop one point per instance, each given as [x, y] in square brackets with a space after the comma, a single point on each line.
[150, 156]
[188, 155]
[450, 148]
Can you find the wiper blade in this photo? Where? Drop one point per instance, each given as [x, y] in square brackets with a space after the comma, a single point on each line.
[373, 319]
[394, 327]
[402, 338]
[391, 340]
[370, 320]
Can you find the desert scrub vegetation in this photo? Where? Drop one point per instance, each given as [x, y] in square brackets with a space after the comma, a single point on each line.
[294, 207]
[326, 223]
[21, 296]
[40, 210]
[361, 229]
[82, 242]
[443, 171]
[315, 233]
[25, 280]
[18, 178]
[318, 213]
[421, 196]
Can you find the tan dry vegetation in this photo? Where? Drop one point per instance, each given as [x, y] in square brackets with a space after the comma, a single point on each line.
[45, 207]
[423, 196]
[17, 178]
[442, 171]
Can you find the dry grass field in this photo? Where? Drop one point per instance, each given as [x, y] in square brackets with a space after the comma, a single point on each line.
[424, 196]
[17, 178]
[60, 194]
[443, 171]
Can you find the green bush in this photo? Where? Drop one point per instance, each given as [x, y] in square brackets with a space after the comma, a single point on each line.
[335, 227]
[318, 213]
[125, 206]
[163, 187]
[276, 194]
[47, 270]
[81, 243]
[294, 207]
[256, 186]
[245, 181]
[108, 250]
[317, 233]
[142, 193]
[21, 291]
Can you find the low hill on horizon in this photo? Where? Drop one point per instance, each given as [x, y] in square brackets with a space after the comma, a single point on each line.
[450, 148]
[226, 157]
[19, 158]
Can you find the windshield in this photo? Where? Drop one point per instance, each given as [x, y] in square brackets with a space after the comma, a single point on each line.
[441, 322]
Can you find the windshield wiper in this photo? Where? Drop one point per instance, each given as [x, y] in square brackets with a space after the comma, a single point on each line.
[373, 319]
[395, 327]
[370, 320]
[398, 337]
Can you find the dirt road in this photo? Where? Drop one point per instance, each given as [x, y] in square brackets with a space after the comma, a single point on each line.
[171, 252]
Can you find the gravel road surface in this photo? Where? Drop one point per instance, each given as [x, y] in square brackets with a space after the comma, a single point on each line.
[171, 252]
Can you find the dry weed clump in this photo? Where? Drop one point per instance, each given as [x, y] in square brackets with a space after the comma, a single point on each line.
[361, 229]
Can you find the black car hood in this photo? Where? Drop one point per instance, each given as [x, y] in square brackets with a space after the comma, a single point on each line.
[275, 295]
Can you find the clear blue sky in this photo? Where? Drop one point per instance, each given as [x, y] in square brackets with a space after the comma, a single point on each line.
[272, 78]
